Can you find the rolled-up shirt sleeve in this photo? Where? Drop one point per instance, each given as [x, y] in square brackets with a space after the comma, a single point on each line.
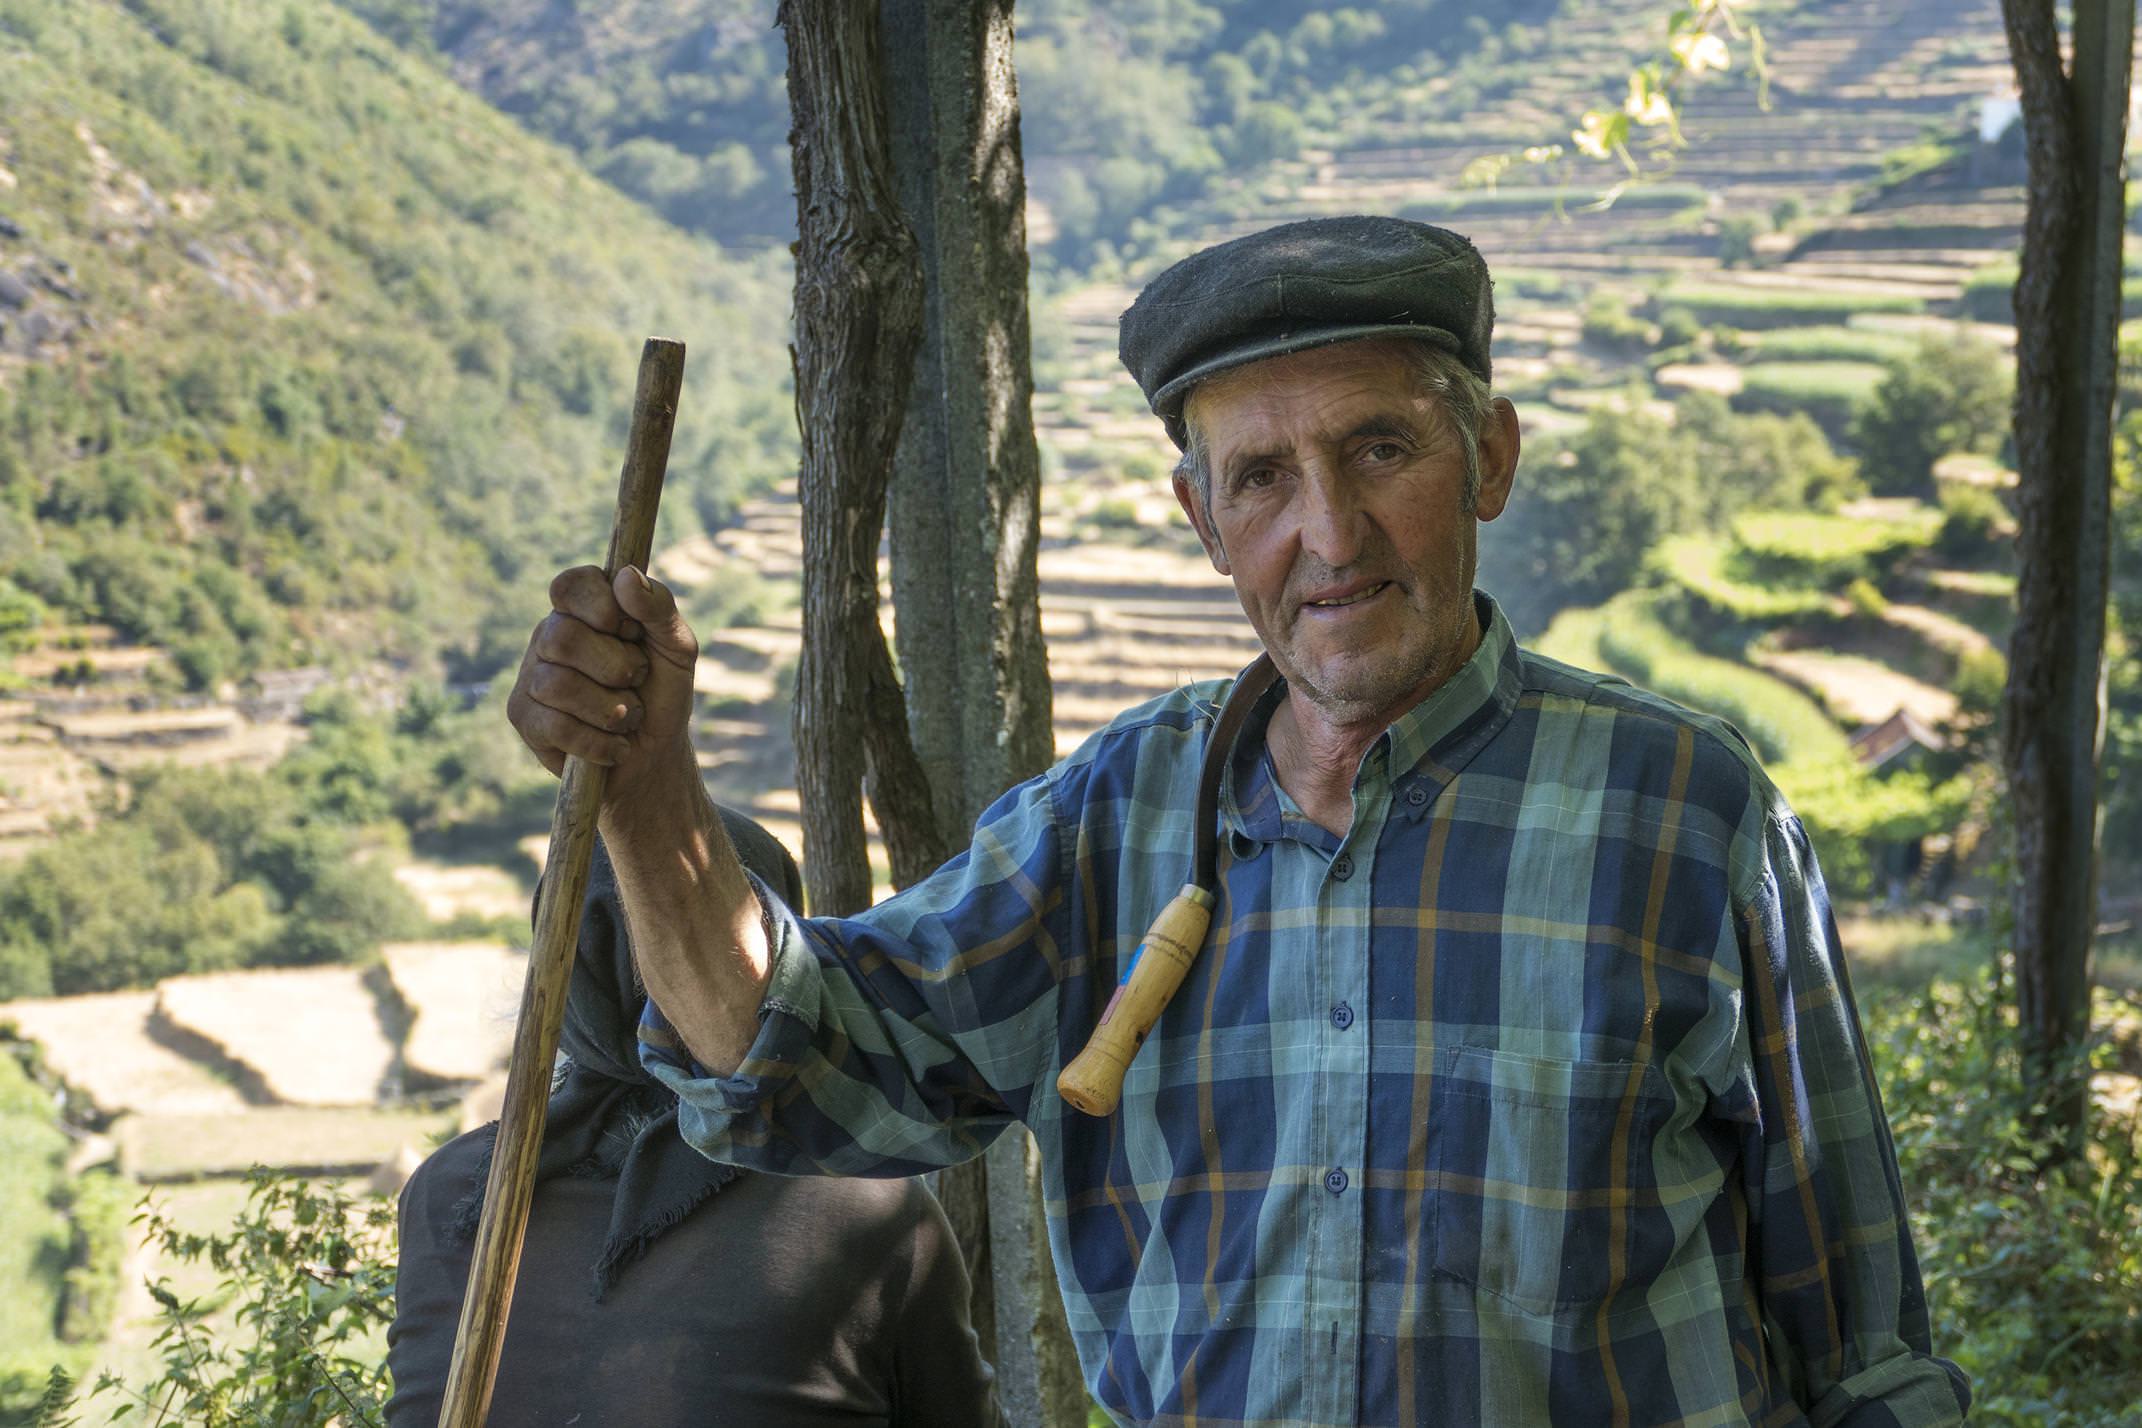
[905, 1038]
[1843, 1305]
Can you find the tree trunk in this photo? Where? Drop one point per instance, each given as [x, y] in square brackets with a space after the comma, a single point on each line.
[858, 318]
[2067, 309]
[965, 522]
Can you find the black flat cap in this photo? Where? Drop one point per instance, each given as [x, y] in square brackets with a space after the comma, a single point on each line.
[1304, 285]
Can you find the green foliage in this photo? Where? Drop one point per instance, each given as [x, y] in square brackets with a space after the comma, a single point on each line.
[1831, 549]
[1585, 517]
[1611, 327]
[1974, 522]
[2033, 1274]
[1588, 512]
[20, 615]
[1831, 393]
[32, 1150]
[1953, 394]
[1834, 343]
[205, 869]
[97, 1204]
[1736, 243]
[1782, 724]
[1989, 295]
[1714, 572]
[1981, 679]
[1845, 809]
[340, 426]
[308, 1272]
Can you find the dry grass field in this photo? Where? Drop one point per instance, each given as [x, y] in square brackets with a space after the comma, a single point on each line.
[114, 1049]
[462, 997]
[311, 1036]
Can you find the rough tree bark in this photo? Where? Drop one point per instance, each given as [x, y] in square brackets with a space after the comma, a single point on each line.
[858, 320]
[2067, 309]
[965, 516]
[965, 521]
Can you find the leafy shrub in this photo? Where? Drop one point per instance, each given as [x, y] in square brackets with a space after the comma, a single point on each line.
[2033, 1275]
[309, 1273]
[1974, 522]
[1610, 326]
[1952, 394]
[1981, 678]
[1736, 242]
[1678, 327]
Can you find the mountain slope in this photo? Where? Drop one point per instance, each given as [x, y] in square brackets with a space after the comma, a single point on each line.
[306, 354]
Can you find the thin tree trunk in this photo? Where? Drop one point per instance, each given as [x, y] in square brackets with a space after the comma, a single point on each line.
[965, 518]
[2067, 306]
[858, 319]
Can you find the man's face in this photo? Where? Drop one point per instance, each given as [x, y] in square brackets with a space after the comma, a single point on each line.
[1337, 508]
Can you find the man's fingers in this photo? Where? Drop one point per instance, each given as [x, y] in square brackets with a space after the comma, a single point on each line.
[613, 711]
[583, 593]
[553, 734]
[651, 604]
[566, 640]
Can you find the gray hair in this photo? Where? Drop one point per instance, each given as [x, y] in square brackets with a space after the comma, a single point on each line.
[1461, 398]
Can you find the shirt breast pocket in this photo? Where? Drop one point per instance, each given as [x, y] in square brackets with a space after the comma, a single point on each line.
[1541, 1175]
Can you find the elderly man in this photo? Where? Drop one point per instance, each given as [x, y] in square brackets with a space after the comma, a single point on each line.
[1518, 1080]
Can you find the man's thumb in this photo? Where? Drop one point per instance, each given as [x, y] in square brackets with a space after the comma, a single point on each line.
[651, 604]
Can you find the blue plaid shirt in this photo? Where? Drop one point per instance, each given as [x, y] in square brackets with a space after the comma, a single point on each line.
[1538, 1097]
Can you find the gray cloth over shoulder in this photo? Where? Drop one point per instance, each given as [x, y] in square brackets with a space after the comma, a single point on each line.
[659, 1288]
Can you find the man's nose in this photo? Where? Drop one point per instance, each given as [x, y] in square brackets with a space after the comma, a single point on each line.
[1331, 517]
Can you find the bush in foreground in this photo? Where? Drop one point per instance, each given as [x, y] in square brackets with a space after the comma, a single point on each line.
[2033, 1275]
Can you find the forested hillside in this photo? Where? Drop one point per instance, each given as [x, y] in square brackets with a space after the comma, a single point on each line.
[1128, 103]
[309, 356]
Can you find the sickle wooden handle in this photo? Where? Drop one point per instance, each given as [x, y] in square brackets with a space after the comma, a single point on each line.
[1093, 1082]
[497, 1256]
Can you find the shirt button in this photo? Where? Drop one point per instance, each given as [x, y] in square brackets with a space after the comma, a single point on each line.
[1416, 795]
[1335, 1182]
[1342, 1016]
[1342, 867]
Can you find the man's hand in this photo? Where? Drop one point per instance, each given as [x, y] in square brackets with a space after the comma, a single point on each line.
[608, 678]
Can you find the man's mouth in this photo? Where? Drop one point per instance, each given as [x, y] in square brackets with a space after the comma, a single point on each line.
[1336, 602]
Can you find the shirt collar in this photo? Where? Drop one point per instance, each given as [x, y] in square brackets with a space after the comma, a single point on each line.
[1430, 742]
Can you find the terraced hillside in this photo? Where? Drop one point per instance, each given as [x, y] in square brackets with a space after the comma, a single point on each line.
[1859, 91]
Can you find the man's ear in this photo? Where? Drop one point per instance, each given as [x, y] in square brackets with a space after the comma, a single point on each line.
[1193, 506]
[1500, 443]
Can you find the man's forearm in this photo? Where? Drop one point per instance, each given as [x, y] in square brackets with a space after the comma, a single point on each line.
[697, 933]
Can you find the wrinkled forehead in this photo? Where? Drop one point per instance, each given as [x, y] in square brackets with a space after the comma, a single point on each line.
[1319, 395]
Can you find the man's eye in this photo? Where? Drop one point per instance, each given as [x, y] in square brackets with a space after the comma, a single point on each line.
[1256, 480]
[1382, 451]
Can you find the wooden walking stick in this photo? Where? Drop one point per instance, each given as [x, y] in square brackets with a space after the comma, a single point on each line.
[497, 1257]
